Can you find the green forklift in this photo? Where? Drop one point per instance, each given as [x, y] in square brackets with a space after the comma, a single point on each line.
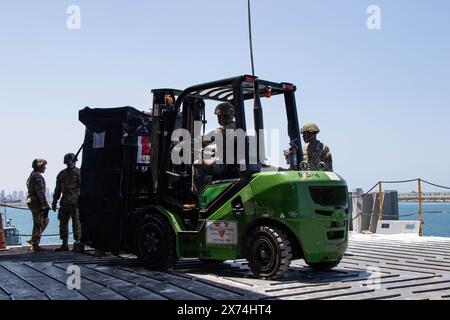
[132, 192]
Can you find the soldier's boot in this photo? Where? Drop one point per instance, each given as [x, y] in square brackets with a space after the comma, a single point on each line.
[63, 247]
[99, 253]
[37, 248]
[78, 247]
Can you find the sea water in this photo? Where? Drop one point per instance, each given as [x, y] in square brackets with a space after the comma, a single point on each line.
[436, 217]
[23, 221]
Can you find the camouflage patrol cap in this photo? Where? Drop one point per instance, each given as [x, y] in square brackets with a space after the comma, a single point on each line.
[310, 127]
[38, 163]
[69, 158]
[225, 108]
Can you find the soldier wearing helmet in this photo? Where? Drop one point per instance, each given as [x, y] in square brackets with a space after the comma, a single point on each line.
[201, 168]
[316, 155]
[68, 185]
[37, 202]
[225, 115]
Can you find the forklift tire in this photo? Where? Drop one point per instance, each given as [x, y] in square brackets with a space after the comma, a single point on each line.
[269, 252]
[324, 266]
[155, 242]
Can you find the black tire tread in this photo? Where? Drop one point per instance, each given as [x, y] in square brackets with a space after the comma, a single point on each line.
[283, 243]
[171, 255]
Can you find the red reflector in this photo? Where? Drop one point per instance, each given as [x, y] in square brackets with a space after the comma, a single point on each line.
[288, 87]
[249, 79]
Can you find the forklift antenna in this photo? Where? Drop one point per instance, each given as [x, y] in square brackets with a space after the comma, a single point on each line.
[250, 36]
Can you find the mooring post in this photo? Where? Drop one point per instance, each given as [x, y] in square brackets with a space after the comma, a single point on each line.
[419, 182]
[380, 199]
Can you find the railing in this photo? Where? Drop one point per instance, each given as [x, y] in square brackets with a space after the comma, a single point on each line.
[420, 197]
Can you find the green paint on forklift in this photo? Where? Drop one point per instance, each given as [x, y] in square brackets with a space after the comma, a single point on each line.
[211, 192]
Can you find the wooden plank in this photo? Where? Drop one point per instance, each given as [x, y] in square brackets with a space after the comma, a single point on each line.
[53, 289]
[389, 268]
[367, 294]
[126, 289]
[152, 287]
[418, 285]
[325, 294]
[207, 291]
[404, 279]
[392, 250]
[302, 292]
[387, 253]
[89, 289]
[17, 287]
[164, 289]
[399, 246]
[228, 285]
[372, 257]
[132, 281]
[418, 266]
[397, 243]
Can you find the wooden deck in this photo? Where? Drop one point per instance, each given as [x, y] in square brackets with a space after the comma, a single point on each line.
[413, 268]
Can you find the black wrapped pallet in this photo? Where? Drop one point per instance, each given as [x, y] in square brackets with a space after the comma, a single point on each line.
[115, 174]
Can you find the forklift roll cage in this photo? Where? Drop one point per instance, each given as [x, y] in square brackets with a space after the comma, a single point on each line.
[235, 90]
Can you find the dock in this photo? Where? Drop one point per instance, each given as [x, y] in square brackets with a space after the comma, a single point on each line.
[374, 267]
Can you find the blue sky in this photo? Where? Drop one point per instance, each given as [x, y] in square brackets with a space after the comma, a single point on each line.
[381, 98]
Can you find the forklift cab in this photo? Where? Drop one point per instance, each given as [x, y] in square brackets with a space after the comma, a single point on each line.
[174, 110]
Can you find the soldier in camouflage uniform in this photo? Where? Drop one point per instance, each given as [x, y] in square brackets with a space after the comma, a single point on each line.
[37, 202]
[316, 155]
[68, 184]
[225, 117]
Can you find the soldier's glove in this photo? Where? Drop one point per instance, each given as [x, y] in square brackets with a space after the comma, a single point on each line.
[54, 207]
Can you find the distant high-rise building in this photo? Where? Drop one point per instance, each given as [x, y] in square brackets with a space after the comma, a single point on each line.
[15, 195]
[21, 195]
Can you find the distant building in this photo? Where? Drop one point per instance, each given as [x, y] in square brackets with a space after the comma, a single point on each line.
[21, 195]
[15, 196]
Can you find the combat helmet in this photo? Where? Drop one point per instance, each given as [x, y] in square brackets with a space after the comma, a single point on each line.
[310, 127]
[38, 163]
[225, 108]
[69, 158]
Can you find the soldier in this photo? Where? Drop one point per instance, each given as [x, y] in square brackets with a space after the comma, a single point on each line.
[37, 203]
[225, 118]
[68, 184]
[316, 155]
